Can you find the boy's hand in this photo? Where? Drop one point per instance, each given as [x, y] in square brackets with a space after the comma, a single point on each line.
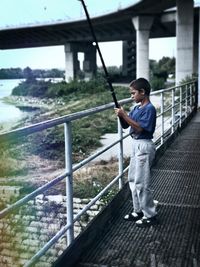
[120, 112]
[122, 116]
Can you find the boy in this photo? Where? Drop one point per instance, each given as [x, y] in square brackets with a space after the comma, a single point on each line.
[142, 120]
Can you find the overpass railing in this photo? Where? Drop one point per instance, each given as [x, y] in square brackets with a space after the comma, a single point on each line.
[173, 105]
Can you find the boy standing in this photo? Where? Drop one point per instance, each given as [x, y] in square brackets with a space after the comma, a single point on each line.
[142, 120]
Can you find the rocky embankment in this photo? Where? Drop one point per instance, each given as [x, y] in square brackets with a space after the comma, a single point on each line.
[24, 233]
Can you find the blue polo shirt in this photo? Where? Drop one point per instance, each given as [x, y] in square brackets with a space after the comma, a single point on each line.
[145, 116]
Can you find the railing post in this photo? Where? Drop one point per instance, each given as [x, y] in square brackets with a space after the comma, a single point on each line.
[186, 100]
[120, 154]
[195, 94]
[69, 180]
[173, 110]
[162, 118]
[180, 104]
[191, 96]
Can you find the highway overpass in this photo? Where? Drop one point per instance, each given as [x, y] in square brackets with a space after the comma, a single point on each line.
[133, 25]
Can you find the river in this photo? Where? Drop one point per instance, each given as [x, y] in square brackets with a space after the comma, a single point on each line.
[8, 112]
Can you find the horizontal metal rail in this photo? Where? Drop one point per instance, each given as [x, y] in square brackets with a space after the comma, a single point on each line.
[182, 103]
[56, 180]
[38, 127]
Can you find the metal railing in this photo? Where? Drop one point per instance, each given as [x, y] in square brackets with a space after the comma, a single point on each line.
[173, 105]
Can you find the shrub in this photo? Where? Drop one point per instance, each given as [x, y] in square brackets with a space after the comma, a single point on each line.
[10, 166]
[188, 78]
[157, 83]
[34, 88]
[37, 88]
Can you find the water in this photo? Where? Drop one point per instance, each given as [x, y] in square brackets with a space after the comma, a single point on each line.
[8, 113]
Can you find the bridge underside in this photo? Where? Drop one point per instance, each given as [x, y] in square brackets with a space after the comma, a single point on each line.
[111, 27]
[130, 25]
[176, 240]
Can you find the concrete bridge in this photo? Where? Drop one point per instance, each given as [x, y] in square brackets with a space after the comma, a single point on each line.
[133, 25]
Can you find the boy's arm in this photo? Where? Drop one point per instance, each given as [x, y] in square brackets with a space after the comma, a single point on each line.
[122, 114]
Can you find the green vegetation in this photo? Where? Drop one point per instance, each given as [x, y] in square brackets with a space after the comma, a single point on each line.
[40, 88]
[10, 163]
[160, 71]
[17, 158]
[188, 78]
[18, 73]
[91, 94]
[49, 144]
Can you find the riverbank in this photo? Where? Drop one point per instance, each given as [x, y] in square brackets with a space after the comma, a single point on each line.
[27, 101]
[37, 158]
[29, 106]
[7, 126]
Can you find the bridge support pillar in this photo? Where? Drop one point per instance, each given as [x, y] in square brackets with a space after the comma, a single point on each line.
[89, 63]
[142, 26]
[72, 65]
[184, 39]
[199, 65]
[196, 48]
[129, 59]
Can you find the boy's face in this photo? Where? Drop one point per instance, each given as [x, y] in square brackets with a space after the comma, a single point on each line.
[137, 95]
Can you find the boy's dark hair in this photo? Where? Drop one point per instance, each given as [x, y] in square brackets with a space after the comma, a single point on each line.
[141, 83]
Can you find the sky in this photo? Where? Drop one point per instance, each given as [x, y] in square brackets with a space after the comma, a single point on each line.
[23, 12]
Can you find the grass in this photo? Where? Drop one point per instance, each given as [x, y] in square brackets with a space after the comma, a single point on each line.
[90, 180]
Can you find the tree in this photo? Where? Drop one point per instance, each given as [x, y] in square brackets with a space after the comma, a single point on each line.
[28, 74]
[167, 64]
[159, 71]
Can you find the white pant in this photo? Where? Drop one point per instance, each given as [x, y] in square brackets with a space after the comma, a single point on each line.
[143, 153]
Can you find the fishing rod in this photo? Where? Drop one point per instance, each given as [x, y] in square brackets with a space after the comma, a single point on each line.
[124, 124]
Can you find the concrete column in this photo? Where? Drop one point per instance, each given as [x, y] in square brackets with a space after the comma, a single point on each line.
[71, 62]
[196, 51]
[199, 65]
[125, 58]
[184, 39]
[89, 63]
[129, 59]
[142, 26]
